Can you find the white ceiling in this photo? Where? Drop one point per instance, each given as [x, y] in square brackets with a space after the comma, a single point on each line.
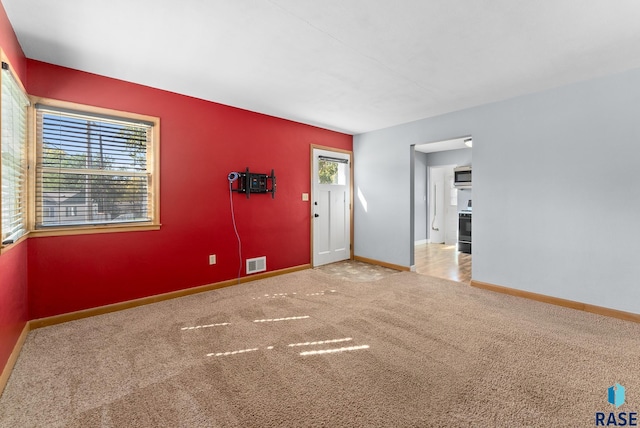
[348, 65]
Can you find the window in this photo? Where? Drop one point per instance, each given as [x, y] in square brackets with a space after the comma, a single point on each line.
[332, 170]
[13, 200]
[94, 168]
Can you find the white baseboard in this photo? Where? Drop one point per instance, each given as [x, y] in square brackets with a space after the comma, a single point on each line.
[421, 241]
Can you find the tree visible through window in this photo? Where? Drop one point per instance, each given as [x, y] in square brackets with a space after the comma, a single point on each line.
[327, 171]
[331, 172]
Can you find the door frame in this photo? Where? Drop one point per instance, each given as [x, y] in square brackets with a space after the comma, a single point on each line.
[311, 196]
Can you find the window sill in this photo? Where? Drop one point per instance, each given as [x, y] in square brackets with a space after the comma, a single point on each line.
[88, 230]
[7, 247]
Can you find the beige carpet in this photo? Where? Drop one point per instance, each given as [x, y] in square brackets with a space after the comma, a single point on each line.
[311, 349]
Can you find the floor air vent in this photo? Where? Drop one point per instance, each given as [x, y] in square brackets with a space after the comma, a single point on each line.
[259, 264]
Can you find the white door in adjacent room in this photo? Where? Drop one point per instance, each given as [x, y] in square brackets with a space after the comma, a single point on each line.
[436, 205]
[451, 209]
[331, 206]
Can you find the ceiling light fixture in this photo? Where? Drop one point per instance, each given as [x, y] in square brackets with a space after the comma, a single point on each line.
[468, 142]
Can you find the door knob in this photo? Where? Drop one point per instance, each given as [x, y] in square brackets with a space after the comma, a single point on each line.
[316, 215]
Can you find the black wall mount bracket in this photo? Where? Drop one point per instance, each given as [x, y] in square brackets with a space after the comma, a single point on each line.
[251, 182]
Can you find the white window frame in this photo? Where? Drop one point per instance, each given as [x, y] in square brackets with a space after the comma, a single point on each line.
[15, 173]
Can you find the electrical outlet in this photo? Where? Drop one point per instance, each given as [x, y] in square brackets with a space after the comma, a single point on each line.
[305, 196]
[212, 259]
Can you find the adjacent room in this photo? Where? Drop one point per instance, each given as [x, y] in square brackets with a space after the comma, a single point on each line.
[443, 200]
[340, 213]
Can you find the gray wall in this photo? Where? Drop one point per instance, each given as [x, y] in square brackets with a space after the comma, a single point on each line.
[570, 150]
[420, 216]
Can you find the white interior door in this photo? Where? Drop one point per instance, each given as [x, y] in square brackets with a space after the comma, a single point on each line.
[331, 206]
[451, 209]
[436, 206]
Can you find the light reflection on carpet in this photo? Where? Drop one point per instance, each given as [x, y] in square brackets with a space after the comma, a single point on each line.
[224, 354]
[283, 319]
[321, 342]
[304, 353]
[284, 295]
[333, 351]
[205, 326]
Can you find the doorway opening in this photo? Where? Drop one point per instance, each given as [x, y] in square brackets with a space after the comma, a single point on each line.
[439, 204]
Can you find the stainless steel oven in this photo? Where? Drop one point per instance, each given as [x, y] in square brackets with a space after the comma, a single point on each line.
[464, 231]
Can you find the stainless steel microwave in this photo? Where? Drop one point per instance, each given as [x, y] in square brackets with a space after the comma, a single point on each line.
[462, 177]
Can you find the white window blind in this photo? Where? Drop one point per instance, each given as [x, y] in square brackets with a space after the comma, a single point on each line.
[91, 169]
[13, 145]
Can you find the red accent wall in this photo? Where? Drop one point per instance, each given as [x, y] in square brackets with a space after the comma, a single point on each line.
[13, 298]
[13, 263]
[201, 142]
[10, 46]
